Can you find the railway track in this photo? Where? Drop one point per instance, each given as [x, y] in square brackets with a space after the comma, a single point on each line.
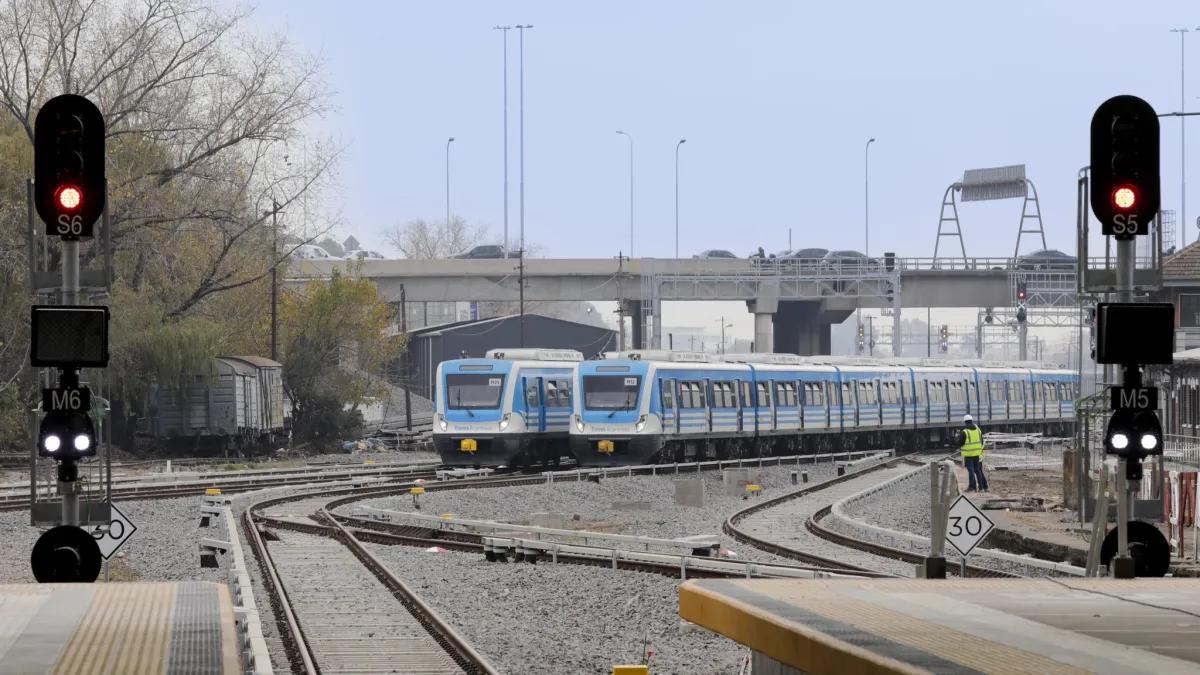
[149, 490]
[772, 526]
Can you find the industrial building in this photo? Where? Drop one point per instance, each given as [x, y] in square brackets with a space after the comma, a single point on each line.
[461, 339]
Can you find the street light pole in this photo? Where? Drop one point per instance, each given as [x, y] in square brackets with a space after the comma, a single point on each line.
[274, 280]
[448, 142]
[1182, 142]
[867, 196]
[681, 142]
[521, 59]
[504, 31]
[630, 190]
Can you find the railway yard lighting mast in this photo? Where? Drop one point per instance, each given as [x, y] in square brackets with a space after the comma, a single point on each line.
[681, 142]
[626, 135]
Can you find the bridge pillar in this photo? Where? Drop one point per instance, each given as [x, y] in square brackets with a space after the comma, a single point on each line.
[803, 327]
[637, 323]
[764, 310]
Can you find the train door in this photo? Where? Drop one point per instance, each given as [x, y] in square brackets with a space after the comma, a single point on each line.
[773, 393]
[710, 400]
[801, 400]
[744, 402]
[877, 385]
[973, 399]
[535, 403]
[670, 405]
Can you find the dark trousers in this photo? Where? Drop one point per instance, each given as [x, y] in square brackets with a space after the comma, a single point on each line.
[975, 471]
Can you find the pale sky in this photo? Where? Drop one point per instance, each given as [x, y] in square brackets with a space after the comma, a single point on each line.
[776, 100]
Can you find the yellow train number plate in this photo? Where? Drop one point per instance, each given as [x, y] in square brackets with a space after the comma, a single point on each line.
[605, 447]
[468, 445]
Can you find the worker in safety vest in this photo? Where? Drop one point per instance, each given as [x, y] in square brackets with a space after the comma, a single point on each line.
[970, 440]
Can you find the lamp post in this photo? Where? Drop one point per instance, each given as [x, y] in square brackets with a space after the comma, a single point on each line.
[448, 142]
[681, 142]
[274, 279]
[630, 190]
[504, 31]
[723, 327]
[1182, 141]
[867, 196]
[521, 62]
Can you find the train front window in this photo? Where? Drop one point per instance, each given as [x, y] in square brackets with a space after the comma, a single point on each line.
[473, 391]
[610, 392]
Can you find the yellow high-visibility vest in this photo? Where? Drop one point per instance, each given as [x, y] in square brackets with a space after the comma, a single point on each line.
[973, 445]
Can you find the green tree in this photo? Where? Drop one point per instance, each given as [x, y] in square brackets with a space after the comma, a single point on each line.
[336, 335]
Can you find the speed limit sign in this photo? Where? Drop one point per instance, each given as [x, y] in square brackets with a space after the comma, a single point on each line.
[110, 538]
[966, 525]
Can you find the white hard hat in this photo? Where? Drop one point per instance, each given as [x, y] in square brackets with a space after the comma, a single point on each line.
[967, 418]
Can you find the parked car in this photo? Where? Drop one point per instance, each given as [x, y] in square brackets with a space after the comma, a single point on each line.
[312, 252]
[1048, 259]
[487, 251]
[366, 255]
[848, 260]
[716, 254]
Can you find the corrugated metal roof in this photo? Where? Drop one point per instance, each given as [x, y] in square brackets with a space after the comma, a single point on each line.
[259, 361]
[238, 365]
[1184, 265]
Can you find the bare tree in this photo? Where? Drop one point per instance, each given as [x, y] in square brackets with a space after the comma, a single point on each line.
[428, 240]
[202, 119]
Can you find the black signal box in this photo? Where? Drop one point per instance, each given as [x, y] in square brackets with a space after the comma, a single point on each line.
[1135, 333]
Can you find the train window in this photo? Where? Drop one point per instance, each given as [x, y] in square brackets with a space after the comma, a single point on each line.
[668, 396]
[866, 393]
[611, 392]
[906, 393]
[564, 388]
[531, 396]
[847, 395]
[764, 395]
[474, 391]
[972, 392]
[785, 394]
[695, 395]
[998, 391]
[551, 394]
[731, 395]
[746, 399]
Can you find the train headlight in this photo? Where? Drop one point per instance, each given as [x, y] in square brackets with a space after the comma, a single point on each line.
[641, 424]
[442, 423]
[504, 422]
[578, 423]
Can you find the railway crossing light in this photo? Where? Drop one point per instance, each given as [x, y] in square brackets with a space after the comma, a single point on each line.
[1125, 191]
[68, 166]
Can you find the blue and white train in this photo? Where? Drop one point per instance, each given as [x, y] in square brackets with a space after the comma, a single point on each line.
[511, 408]
[655, 406]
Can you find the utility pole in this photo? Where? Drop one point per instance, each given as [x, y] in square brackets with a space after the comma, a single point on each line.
[448, 142]
[521, 292]
[1182, 140]
[274, 280]
[620, 300]
[407, 358]
[521, 60]
[504, 31]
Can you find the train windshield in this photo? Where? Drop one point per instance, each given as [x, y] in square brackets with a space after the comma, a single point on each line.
[473, 392]
[611, 392]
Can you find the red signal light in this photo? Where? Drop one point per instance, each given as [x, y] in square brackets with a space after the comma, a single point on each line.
[69, 197]
[1124, 197]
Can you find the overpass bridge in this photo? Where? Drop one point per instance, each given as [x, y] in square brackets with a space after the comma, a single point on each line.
[794, 302]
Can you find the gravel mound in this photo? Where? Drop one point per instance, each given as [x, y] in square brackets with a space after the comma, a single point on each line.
[557, 619]
[164, 548]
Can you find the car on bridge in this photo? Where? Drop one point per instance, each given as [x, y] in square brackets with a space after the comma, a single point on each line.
[1048, 259]
[312, 252]
[716, 254]
[849, 261]
[804, 258]
[487, 251]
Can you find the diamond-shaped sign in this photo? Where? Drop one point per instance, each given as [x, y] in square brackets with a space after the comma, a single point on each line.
[119, 530]
[966, 525]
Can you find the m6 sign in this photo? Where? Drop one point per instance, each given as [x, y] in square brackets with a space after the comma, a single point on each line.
[67, 400]
[966, 525]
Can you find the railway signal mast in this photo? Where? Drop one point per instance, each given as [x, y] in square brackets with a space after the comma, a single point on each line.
[69, 194]
[1125, 197]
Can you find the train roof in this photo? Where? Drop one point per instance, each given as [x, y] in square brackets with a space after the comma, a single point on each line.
[535, 354]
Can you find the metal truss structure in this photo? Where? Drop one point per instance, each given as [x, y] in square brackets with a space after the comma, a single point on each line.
[1002, 182]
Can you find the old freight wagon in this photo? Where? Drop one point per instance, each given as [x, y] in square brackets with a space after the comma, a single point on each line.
[239, 407]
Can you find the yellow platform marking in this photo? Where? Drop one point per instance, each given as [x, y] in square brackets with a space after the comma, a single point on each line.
[126, 630]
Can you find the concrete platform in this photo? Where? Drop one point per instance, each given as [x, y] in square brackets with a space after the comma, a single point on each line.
[955, 626]
[118, 628]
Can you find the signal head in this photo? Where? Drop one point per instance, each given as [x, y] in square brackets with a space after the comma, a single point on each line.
[68, 166]
[1125, 191]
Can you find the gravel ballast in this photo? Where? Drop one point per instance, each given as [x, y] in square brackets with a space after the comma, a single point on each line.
[638, 505]
[558, 619]
[165, 546]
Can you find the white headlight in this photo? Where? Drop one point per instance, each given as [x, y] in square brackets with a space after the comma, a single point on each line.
[578, 423]
[1119, 441]
[504, 422]
[443, 425]
[1149, 441]
[52, 443]
[641, 423]
[82, 442]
